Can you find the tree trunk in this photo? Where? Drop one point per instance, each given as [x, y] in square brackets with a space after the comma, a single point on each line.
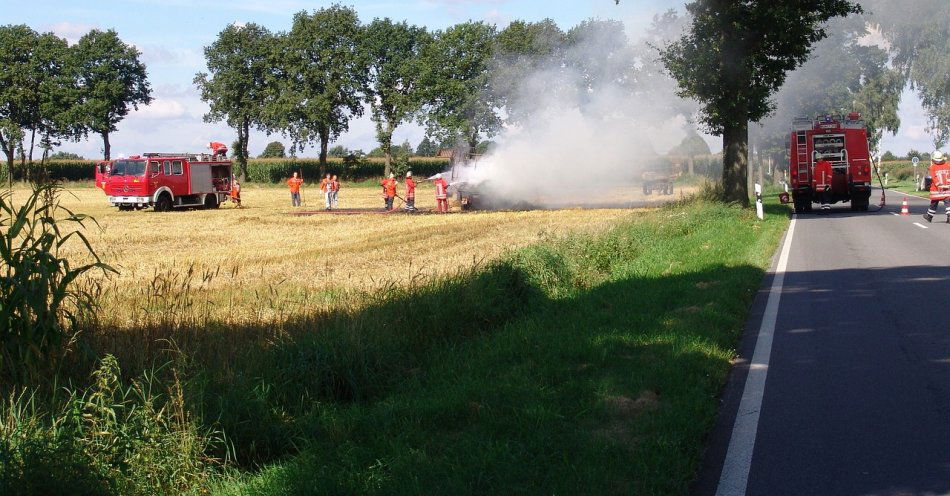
[247, 138]
[386, 142]
[8, 146]
[241, 154]
[324, 142]
[735, 161]
[32, 140]
[106, 147]
[473, 144]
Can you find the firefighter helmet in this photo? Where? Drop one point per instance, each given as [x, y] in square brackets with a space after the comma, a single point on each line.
[438, 176]
[392, 176]
[938, 157]
[409, 174]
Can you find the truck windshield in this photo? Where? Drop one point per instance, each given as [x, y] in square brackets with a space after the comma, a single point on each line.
[128, 168]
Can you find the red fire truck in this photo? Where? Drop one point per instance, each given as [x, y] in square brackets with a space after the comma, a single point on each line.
[841, 141]
[166, 180]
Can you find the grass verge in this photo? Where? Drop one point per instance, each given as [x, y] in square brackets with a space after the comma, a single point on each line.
[603, 381]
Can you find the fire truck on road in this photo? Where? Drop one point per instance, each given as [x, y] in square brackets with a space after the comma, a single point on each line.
[167, 180]
[841, 141]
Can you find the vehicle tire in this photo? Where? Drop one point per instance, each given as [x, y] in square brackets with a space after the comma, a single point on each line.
[125, 208]
[211, 201]
[164, 203]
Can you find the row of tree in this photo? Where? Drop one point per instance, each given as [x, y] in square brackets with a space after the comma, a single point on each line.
[52, 91]
[463, 83]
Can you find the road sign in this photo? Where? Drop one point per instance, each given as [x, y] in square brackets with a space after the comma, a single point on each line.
[915, 161]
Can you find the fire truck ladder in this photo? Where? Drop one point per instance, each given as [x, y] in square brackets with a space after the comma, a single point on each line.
[802, 148]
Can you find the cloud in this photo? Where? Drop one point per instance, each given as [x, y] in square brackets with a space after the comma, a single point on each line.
[71, 31]
[161, 108]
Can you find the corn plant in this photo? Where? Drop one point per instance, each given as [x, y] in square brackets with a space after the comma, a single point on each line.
[40, 304]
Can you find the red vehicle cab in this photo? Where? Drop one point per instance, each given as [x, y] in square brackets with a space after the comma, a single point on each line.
[844, 143]
[166, 180]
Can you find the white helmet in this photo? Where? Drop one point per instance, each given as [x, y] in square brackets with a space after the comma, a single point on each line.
[938, 157]
[392, 176]
[409, 174]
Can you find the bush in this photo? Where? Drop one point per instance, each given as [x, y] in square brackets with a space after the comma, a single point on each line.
[113, 439]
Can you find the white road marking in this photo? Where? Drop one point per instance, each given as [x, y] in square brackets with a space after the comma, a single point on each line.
[735, 468]
[895, 213]
[918, 224]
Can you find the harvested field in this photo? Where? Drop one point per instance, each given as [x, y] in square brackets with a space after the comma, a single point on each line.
[260, 261]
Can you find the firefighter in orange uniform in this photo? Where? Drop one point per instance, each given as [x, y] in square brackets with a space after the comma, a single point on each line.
[335, 188]
[236, 192]
[389, 191]
[938, 180]
[294, 185]
[410, 192]
[441, 194]
[821, 183]
[326, 185]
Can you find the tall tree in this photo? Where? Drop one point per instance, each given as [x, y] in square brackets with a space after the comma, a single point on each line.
[112, 81]
[17, 43]
[392, 55]
[524, 56]
[457, 79]
[735, 56]
[240, 88]
[321, 77]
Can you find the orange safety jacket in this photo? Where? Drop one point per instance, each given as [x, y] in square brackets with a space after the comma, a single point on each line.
[334, 185]
[821, 178]
[294, 184]
[389, 188]
[325, 185]
[939, 181]
[236, 190]
[410, 188]
[441, 189]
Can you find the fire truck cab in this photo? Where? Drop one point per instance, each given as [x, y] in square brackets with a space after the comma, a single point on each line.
[841, 141]
[166, 180]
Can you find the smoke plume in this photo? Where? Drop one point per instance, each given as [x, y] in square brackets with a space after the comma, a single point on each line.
[588, 121]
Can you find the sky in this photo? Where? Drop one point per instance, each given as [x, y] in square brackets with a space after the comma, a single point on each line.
[171, 35]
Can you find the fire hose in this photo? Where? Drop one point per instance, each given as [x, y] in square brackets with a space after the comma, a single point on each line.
[883, 197]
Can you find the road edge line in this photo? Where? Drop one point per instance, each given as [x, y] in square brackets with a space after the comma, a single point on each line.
[735, 468]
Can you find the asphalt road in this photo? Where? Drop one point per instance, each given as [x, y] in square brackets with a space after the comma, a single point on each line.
[856, 397]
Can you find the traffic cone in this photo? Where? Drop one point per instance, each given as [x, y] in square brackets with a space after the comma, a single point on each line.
[905, 210]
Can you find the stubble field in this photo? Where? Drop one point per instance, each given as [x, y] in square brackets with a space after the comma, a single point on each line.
[263, 262]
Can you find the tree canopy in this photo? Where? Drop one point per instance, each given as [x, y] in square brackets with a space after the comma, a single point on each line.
[321, 77]
[112, 81]
[240, 89]
[274, 149]
[459, 100]
[392, 53]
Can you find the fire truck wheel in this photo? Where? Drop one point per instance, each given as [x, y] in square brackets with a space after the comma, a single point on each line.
[164, 203]
[211, 201]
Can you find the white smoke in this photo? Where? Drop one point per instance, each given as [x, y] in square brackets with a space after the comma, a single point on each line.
[592, 122]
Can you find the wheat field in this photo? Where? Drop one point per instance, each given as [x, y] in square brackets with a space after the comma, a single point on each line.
[262, 262]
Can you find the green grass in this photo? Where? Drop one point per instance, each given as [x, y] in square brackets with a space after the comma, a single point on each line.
[907, 186]
[603, 381]
[577, 365]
